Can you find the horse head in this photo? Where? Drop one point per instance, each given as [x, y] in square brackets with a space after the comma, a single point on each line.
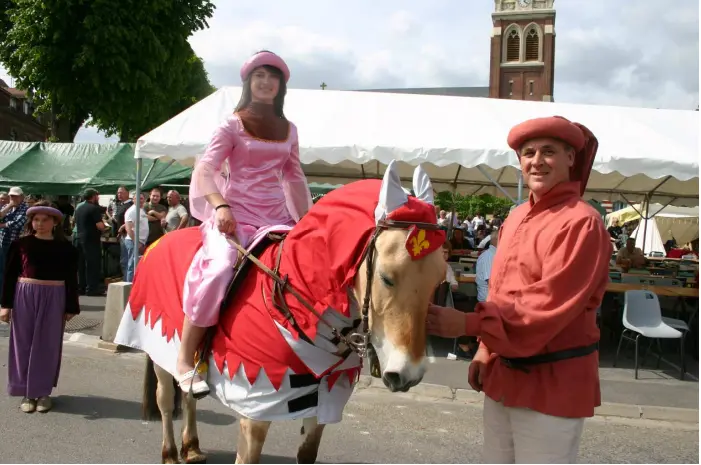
[400, 278]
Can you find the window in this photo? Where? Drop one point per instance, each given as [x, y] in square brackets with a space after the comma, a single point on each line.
[530, 87]
[13, 134]
[532, 45]
[511, 87]
[513, 46]
[13, 103]
[27, 108]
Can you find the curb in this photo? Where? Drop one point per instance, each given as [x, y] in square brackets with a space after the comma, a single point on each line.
[445, 393]
[95, 342]
[606, 409]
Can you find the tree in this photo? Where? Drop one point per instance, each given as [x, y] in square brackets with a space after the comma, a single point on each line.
[190, 84]
[470, 204]
[124, 63]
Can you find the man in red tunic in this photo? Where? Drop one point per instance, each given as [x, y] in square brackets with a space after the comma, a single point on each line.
[538, 356]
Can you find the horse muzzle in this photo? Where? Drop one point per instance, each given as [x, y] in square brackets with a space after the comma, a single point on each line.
[396, 382]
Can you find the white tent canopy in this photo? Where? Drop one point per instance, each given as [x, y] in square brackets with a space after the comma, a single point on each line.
[648, 239]
[680, 223]
[461, 141]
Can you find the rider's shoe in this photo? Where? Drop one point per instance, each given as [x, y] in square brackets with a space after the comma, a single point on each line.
[199, 388]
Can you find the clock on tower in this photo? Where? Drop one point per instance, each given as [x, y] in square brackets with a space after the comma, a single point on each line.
[522, 59]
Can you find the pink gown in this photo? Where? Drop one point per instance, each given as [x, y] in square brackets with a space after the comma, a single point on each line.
[264, 184]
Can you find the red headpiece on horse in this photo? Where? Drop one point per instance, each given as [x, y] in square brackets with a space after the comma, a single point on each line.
[396, 205]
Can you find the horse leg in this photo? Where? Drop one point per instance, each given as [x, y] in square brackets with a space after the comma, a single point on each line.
[190, 452]
[312, 431]
[252, 434]
[165, 397]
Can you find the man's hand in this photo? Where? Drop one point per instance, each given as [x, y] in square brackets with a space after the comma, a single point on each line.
[5, 315]
[477, 367]
[445, 322]
[68, 317]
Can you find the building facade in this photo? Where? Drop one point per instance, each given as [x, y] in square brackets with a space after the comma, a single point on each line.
[16, 117]
[522, 59]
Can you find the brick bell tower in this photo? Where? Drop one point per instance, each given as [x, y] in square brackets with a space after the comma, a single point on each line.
[522, 63]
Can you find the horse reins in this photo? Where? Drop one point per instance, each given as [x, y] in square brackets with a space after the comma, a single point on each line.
[358, 341]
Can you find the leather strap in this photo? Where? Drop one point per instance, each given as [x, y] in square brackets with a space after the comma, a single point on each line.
[575, 352]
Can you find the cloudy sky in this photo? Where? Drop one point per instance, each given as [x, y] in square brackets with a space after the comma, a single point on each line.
[644, 54]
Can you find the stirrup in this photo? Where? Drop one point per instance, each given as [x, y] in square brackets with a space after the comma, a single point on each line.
[199, 389]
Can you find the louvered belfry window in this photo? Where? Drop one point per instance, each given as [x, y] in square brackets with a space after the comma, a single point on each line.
[532, 45]
[513, 46]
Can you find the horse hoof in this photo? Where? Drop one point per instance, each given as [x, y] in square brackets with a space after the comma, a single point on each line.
[195, 457]
[191, 453]
[169, 456]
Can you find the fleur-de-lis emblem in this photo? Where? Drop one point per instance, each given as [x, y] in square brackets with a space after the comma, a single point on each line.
[419, 242]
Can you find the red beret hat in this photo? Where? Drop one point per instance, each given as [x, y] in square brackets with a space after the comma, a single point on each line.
[554, 127]
[578, 136]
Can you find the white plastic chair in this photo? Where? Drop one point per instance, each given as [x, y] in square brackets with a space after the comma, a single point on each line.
[642, 316]
[680, 325]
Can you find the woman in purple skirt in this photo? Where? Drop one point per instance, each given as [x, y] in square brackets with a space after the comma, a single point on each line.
[40, 293]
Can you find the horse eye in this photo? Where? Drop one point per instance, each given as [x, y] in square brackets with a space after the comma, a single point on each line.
[386, 281]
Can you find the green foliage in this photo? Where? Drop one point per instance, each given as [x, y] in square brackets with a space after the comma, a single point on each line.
[125, 63]
[465, 205]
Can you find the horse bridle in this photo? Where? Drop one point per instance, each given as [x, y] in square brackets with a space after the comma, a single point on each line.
[357, 342]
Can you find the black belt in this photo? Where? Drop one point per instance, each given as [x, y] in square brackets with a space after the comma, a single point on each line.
[550, 357]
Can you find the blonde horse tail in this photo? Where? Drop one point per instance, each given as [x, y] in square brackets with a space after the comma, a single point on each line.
[149, 403]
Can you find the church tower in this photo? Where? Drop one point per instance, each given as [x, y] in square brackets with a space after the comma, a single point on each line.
[522, 63]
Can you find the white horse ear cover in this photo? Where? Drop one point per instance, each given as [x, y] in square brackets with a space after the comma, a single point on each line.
[423, 189]
[392, 195]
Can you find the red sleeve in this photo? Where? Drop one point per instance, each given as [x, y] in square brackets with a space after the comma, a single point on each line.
[575, 273]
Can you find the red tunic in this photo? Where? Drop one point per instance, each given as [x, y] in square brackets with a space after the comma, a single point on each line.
[548, 277]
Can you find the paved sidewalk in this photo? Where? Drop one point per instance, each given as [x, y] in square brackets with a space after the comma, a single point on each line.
[96, 419]
[655, 387]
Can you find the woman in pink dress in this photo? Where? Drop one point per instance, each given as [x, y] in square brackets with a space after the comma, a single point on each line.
[249, 177]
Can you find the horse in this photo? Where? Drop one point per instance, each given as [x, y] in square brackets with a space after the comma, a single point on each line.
[351, 280]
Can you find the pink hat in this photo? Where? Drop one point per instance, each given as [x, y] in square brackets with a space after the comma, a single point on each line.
[262, 59]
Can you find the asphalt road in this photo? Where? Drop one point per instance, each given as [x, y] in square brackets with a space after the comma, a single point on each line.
[96, 419]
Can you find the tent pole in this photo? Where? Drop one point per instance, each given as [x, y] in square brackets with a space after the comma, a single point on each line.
[520, 187]
[646, 210]
[148, 173]
[452, 212]
[496, 184]
[170, 163]
[137, 202]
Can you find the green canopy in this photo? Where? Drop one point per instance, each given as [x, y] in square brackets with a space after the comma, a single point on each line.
[598, 207]
[45, 168]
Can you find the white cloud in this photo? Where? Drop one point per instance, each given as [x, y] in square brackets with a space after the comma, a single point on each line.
[91, 135]
[646, 54]
[402, 23]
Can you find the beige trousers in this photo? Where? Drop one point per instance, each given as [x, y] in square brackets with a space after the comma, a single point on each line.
[520, 435]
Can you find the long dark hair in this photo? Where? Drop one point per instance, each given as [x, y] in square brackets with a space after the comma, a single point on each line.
[57, 229]
[278, 101]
